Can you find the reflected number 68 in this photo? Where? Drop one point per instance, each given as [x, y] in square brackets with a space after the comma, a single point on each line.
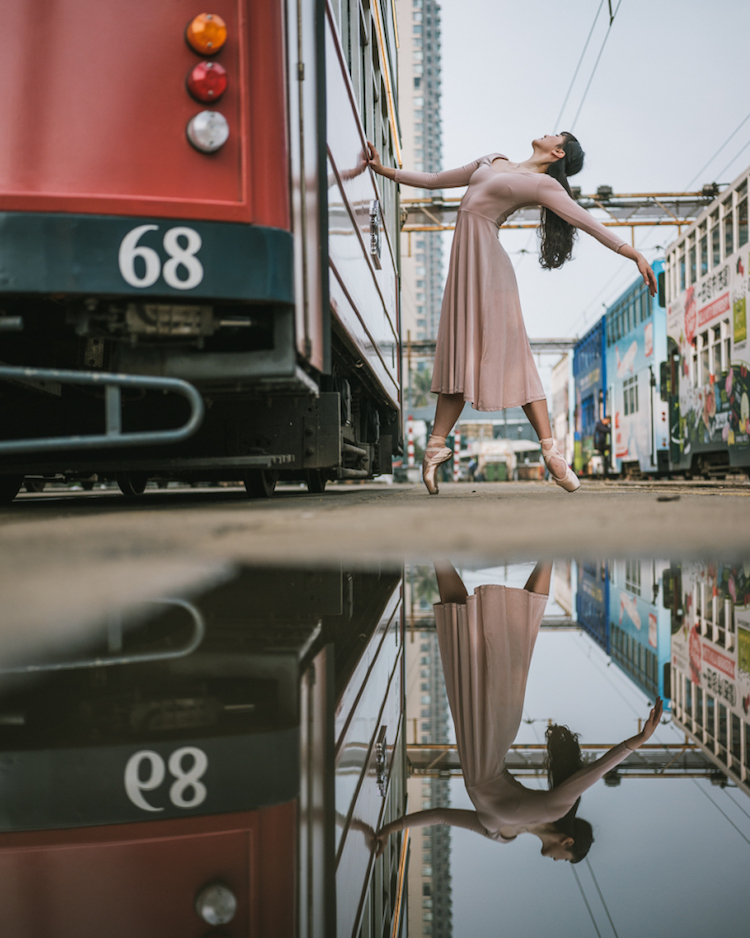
[187, 791]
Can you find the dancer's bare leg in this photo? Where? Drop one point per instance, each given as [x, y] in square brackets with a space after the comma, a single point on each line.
[540, 578]
[538, 416]
[450, 584]
[447, 412]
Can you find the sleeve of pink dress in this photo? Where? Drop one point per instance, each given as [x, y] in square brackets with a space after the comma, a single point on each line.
[551, 195]
[447, 179]
[560, 800]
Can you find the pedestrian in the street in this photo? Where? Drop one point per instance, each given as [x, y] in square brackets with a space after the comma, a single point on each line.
[483, 353]
[486, 643]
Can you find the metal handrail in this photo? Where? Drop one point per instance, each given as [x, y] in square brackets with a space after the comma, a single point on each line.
[199, 634]
[112, 383]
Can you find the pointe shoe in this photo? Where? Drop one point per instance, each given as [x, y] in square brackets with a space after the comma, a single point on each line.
[554, 460]
[432, 459]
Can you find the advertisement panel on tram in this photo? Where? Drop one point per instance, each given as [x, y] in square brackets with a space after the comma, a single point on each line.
[709, 384]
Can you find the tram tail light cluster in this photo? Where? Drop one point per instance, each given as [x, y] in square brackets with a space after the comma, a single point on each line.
[206, 34]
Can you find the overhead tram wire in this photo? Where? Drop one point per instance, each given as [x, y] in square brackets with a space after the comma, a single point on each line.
[735, 157]
[735, 803]
[575, 73]
[596, 65]
[585, 901]
[718, 808]
[606, 907]
[730, 137]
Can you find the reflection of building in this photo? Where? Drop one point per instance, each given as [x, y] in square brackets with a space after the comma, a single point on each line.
[592, 600]
[252, 736]
[639, 624]
[419, 61]
[430, 899]
[565, 583]
[711, 662]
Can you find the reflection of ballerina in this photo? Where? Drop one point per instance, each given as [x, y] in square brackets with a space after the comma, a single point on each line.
[486, 641]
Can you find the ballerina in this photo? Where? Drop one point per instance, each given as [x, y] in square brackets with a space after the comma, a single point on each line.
[486, 642]
[482, 354]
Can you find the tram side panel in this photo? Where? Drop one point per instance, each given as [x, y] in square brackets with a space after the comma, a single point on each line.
[709, 360]
[636, 342]
[362, 220]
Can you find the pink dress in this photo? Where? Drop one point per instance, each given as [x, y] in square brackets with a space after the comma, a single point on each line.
[483, 351]
[486, 646]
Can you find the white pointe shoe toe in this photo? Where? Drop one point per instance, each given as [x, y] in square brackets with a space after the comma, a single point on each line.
[430, 463]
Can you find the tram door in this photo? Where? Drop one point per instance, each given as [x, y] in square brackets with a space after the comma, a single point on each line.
[670, 392]
[306, 97]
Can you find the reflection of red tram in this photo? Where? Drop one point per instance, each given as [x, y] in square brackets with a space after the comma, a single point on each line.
[189, 210]
[220, 764]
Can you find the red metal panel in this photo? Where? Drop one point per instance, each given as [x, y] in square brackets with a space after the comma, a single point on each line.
[142, 879]
[95, 112]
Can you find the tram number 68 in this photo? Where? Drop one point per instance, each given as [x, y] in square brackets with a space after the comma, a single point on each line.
[181, 244]
[187, 790]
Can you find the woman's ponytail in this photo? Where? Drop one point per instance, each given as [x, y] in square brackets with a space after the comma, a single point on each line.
[557, 235]
[563, 760]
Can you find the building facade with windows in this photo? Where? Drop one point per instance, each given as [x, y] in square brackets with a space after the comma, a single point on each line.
[419, 60]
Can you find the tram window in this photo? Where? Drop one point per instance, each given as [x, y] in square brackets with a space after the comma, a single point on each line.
[728, 230]
[695, 362]
[710, 715]
[693, 262]
[742, 221]
[633, 576]
[682, 269]
[704, 360]
[689, 697]
[736, 737]
[644, 305]
[699, 706]
[727, 350]
[703, 236]
[715, 239]
[630, 395]
[747, 744]
[716, 347]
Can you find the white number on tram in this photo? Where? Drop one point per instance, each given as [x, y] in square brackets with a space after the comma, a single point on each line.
[182, 258]
[187, 791]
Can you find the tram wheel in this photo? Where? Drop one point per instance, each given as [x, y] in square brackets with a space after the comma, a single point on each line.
[9, 486]
[260, 483]
[132, 484]
[316, 481]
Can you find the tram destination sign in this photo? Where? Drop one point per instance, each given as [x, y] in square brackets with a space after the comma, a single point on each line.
[111, 255]
[63, 788]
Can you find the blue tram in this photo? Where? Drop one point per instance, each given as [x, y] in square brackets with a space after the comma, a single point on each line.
[636, 347]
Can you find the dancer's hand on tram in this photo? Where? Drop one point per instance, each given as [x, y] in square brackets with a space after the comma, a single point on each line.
[373, 159]
[649, 277]
[649, 727]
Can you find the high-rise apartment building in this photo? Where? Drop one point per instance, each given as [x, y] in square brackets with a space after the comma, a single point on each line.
[419, 61]
[428, 720]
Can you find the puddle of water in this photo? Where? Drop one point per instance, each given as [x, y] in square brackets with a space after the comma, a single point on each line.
[253, 731]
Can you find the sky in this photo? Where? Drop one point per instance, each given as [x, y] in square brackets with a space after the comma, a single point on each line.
[670, 856]
[670, 87]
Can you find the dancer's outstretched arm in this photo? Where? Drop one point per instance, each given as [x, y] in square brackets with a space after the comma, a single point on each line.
[559, 800]
[553, 196]
[455, 817]
[447, 179]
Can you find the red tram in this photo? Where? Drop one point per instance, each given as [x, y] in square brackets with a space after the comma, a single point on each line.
[211, 768]
[185, 204]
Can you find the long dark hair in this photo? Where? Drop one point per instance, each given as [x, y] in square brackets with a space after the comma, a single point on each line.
[556, 234]
[563, 760]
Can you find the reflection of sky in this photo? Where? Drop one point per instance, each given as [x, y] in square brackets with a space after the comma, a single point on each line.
[666, 860]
